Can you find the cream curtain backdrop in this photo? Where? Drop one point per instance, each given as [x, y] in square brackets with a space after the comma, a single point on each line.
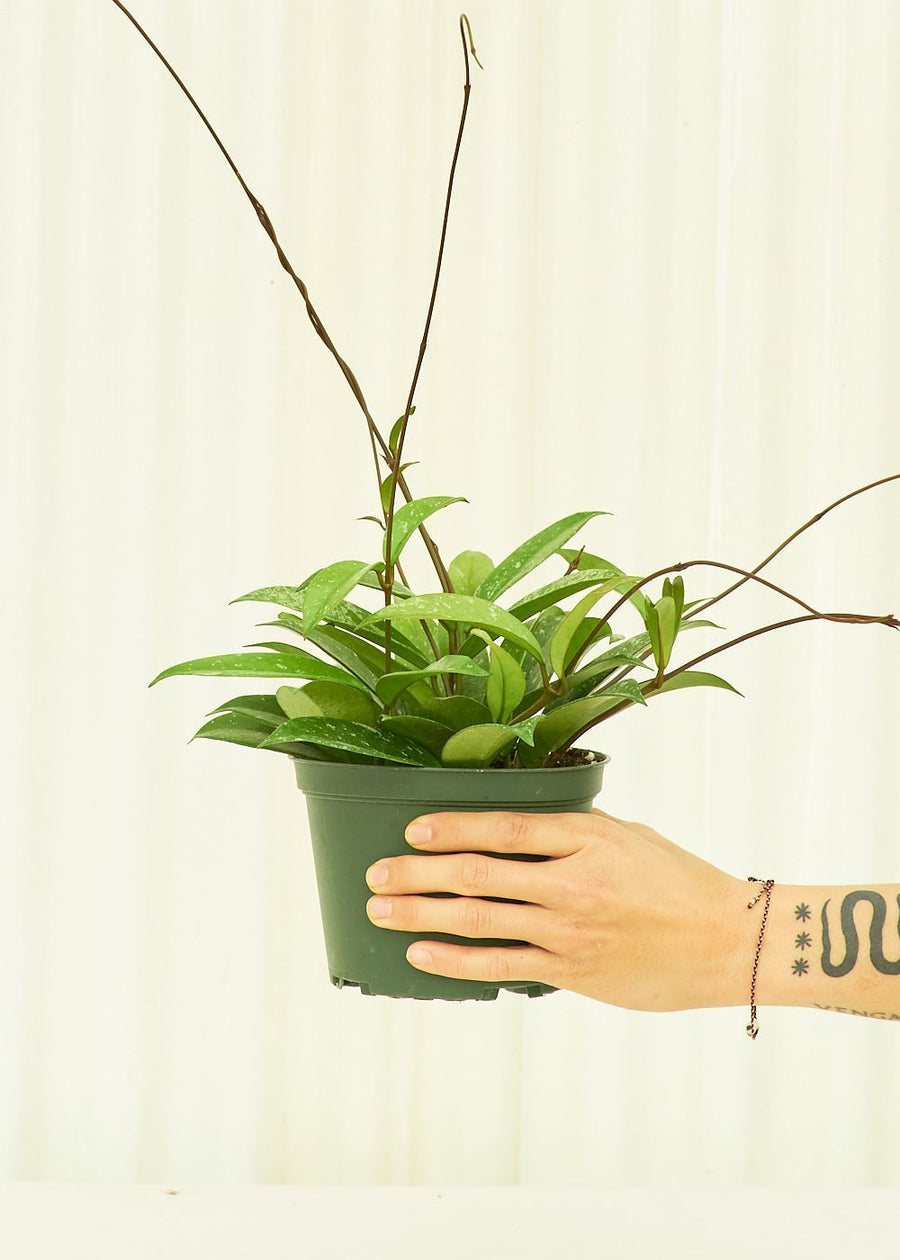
[671, 291]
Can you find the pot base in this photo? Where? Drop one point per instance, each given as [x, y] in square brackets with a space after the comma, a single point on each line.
[487, 994]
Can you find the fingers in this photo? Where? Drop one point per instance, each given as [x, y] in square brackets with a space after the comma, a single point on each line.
[497, 965]
[465, 916]
[502, 831]
[472, 875]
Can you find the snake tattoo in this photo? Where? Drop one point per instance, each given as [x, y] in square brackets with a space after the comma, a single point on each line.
[879, 914]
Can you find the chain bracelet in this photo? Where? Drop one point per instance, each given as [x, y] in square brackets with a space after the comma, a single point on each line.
[753, 1026]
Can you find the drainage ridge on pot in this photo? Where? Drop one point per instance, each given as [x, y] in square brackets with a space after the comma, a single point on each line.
[359, 813]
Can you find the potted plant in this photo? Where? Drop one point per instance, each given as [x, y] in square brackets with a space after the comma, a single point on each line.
[449, 698]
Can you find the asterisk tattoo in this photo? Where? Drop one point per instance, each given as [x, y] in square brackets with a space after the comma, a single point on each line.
[800, 967]
[803, 911]
[803, 941]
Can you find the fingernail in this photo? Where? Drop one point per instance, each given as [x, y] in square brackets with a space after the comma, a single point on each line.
[376, 875]
[380, 907]
[418, 833]
[416, 954]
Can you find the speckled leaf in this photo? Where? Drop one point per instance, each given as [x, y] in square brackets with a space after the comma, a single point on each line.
[561, 641]
[421, 730]
[590, 561]
[553, 592]
[525, 730]
[408, 518]
[297, 664]
[235, 728]
[264, 708]
[328, 699]
[471, 610]
[532, 552]
[328, 588]
[389, 686]
[352, 737]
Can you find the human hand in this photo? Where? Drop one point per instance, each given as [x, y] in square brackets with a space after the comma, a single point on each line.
[616, 912]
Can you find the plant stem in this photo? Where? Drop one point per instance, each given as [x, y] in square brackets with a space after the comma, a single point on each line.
[753, 572]
[374, 433]
[398, 453]
[853, 618]
[677, 568]
[797, 532]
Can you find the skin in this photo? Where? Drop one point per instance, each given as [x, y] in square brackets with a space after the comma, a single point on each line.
[618, 913]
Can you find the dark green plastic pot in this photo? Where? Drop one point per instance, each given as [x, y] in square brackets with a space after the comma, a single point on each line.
[359, 813]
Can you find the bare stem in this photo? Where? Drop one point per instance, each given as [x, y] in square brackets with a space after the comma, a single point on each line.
[389, 574]
[852, 618]
[677, 568]
[747, 574]
[374, 433]
[796, 534]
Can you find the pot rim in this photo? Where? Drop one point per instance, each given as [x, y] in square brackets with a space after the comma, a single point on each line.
[600, 759]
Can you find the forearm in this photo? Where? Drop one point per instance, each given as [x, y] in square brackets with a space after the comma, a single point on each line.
[834, 946]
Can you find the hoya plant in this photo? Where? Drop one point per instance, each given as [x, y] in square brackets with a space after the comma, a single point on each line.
[477, 672]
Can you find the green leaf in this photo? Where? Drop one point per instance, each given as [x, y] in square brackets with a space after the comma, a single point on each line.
[342, 646]
[292, 664]
[376, 519]
[692, 678]
[667, 616]
[263, 708]
[352, 737]
[590, 561]
[624, 689]
[389, 686]
[477, 746]
[395, 431]
[398, 590]
[328, 699]
[468, 570]
[590, 626]
[456, 712]
[386, 484]
[525, 729]
[560, 643]
[676, 590]
[235, 728]
[362, 658]
[469, 609]
[651, 621]
[506, 681]
[586, 679]
[350, 616]
[421, 730]
[328, 588]
[544, 596]
[563, 723]
[408, 518]
[533, 552]
[544, 627]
